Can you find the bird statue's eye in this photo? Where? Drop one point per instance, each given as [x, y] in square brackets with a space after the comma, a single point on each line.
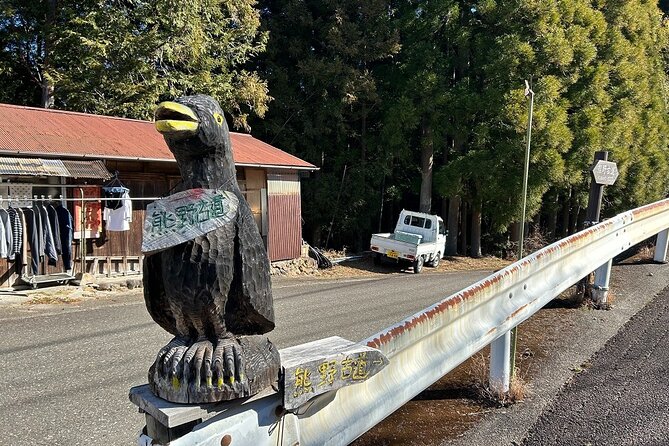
[219, 118]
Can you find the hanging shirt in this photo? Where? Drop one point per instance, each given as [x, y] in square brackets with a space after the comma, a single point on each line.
[9, 233]
[66, 229]
[119, 218]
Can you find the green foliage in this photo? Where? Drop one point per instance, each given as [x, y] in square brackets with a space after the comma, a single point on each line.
[322, 65]
[363, 87]
[121, 57]
[368, 86]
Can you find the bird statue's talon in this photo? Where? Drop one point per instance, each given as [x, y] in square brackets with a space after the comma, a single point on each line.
[205, 371]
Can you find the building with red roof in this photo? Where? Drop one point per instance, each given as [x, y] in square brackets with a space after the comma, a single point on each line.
[47, 152]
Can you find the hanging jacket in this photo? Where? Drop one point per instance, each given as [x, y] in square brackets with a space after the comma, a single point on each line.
[17, 230]
[24, 239]
[33, 232]
[66, 227]
[49, 245]
[116, 192]
[39, 229]
[55, 230]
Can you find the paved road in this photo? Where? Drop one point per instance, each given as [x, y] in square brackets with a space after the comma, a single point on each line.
[65, 372]
[622, 398]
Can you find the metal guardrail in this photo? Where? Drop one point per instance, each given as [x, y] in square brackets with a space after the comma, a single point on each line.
[424, 347]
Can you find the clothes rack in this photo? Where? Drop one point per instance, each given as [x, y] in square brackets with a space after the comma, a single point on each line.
[46, 198]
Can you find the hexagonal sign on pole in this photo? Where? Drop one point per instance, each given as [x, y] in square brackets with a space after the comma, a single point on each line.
[605, 172]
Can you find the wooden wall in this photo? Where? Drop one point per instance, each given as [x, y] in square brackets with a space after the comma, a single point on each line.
[274, 200]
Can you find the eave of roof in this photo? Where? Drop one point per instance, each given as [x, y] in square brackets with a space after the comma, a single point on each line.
[32, 131]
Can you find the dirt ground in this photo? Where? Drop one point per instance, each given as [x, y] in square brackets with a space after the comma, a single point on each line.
[366, 267]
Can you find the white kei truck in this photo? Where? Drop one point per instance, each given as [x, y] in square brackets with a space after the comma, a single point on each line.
[419, 238]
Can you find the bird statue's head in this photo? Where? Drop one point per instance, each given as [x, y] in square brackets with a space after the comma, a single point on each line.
[193, 126]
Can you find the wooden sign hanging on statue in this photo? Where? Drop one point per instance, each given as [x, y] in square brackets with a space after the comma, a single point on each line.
[186, 215]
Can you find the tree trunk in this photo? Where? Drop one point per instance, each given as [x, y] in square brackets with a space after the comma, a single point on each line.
[580, 219]
[453, 220]
[566, 202]
[552, 224]
[383, 191]
[47, 83]
[573, 216]
[426, 161]
[363, 135]
[475, 249]
[463, 228]
[515, 231]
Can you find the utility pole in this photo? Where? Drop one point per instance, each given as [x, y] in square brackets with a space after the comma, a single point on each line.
[530, 95]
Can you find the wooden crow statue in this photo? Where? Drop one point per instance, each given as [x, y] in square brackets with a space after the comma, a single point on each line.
[212, 293]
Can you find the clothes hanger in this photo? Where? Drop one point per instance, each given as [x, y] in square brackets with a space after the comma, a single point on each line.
[115, 182]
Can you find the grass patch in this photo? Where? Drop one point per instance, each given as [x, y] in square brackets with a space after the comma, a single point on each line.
[479, 374]
[44, 299]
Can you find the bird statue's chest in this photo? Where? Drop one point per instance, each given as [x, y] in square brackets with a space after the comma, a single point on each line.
[206, 256]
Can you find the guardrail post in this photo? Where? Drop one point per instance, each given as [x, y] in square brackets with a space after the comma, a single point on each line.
[600, 287]
[500, 364]
[661, 247]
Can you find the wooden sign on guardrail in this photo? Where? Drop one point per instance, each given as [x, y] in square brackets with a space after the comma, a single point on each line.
[328, 364]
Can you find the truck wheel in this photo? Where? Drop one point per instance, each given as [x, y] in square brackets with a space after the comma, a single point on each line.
[436, 260]
[418, 265]
[377, 259]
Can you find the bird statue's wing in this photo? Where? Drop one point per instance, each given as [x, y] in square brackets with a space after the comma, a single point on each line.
[154, 293]
[252, 304]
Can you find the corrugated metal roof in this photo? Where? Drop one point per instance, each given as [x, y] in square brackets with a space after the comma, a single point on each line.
[87, 169]
[38, 131]
[32, 166]
[53, 168]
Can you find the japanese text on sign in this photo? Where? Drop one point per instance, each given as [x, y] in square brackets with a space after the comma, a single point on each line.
[190, 214]
[183, 216]
[351, 369]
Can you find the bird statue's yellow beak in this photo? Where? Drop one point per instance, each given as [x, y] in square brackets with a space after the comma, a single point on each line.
[175, 119]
